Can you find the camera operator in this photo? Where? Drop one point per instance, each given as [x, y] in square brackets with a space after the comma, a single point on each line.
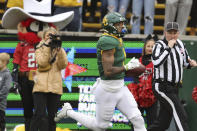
[51, 59]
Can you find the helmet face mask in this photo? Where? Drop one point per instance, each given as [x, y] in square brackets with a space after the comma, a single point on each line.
[109, 22]
[121, 29]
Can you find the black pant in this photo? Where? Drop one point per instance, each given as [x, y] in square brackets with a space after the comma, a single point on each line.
[91, 9]
[104, 9]
[2, 7]
[76, 22]
[170, 106]
[27, 99]
[151, 113]
[2, 120]
[193, 14]
[42, 101]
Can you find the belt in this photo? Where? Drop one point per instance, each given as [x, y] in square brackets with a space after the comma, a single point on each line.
[176, 84]
[24, 74]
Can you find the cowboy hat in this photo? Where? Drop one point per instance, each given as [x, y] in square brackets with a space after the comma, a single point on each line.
[14, 15]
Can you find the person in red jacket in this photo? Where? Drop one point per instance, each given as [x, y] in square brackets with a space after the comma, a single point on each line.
[142, 86]
[23, 64]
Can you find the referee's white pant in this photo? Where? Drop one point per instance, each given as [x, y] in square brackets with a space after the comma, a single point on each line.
[170, 106]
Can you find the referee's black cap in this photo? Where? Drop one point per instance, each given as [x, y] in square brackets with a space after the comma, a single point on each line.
[172, 26]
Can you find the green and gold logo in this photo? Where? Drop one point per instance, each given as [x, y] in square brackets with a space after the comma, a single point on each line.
[105, 22]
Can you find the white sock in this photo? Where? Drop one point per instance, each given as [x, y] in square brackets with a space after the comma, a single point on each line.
[87, 121]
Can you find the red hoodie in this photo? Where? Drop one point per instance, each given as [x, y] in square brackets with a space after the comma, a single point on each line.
[24, 54]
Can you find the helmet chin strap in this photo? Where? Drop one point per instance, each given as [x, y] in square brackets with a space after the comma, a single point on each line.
[123, 31]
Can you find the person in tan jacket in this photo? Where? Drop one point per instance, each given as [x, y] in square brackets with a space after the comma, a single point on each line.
[48, 83]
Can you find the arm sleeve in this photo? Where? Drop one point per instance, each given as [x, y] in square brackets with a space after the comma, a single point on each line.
[108, 43]
[18, 54]
[43, 56]
[62, 61]
[8, 82]
[160, 54]
[108, 46]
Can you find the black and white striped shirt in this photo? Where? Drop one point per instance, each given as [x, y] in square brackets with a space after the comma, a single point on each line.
[169, 62]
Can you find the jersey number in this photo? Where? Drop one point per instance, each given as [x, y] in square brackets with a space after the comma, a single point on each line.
[31, 60]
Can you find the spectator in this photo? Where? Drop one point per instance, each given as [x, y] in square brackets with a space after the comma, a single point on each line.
[48, 82]
[149, 11]
[91, 10]
[178, 11]
[5, 85]
[104, 4]
[193, 21]
[62, 6]
[118, 6]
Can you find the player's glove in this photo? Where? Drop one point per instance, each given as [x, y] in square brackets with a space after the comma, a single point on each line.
[133, 63]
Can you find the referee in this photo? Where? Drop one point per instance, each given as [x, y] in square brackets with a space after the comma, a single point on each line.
[169, 58]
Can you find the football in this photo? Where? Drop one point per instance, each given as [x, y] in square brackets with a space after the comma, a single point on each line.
[136, 71]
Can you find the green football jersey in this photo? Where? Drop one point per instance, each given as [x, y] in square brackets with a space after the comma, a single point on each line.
[107, 42]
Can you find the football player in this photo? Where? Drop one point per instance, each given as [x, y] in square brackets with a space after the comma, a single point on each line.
[109, 90]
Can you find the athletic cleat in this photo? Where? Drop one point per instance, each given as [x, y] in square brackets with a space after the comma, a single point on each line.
[63, 112]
